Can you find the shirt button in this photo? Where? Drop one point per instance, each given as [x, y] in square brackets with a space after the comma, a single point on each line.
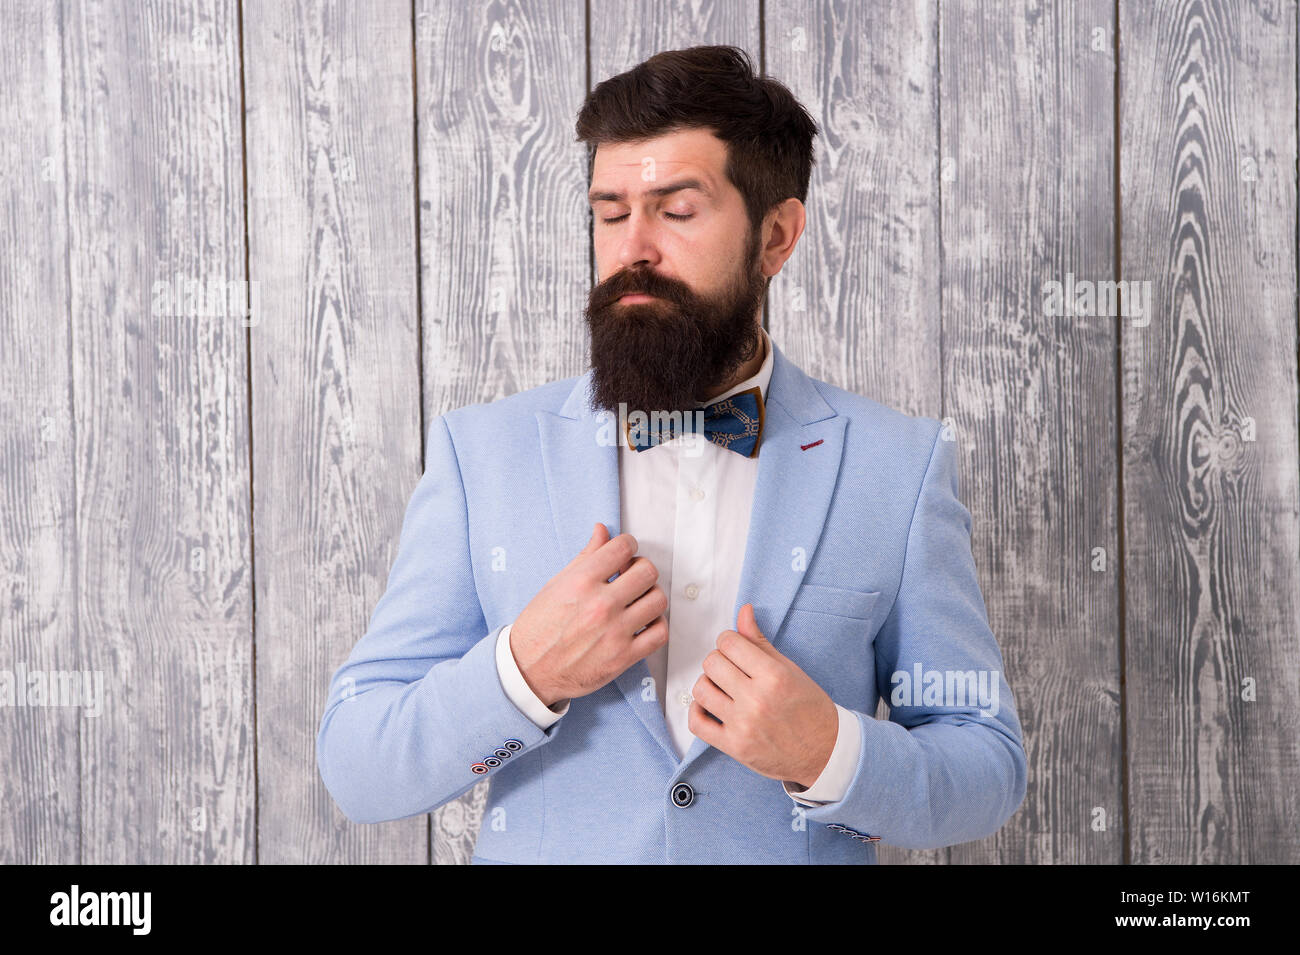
[685, 699]
[692, 591]
[697, 494]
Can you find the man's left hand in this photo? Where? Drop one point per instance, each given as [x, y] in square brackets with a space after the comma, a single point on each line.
[775, 719]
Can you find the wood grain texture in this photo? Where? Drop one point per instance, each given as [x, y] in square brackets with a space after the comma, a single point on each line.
[39, 764]
[160, 397]
[503, 206]
[857, 304]
[1212, 510]
[336, 383]
[1027, 120]
[503, 225]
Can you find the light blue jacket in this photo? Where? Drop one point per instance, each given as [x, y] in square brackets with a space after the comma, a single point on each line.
[858, 565]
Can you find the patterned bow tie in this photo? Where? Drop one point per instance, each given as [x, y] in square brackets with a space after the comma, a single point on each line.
[734, 423]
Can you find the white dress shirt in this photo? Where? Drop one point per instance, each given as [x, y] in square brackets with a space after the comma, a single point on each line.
[687, 502]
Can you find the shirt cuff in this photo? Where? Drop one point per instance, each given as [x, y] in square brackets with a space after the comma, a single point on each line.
[834, 780]
[518, 690]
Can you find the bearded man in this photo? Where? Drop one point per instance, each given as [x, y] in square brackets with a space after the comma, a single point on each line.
[656, 605]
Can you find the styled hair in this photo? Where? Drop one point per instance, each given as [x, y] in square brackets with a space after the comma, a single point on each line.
[768, 133]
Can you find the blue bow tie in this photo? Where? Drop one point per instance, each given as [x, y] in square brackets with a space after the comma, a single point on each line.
[734, 423]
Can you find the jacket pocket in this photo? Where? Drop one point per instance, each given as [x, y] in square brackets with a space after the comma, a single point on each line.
[839, 601]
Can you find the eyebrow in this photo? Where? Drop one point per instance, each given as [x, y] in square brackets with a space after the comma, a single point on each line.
[600, 196]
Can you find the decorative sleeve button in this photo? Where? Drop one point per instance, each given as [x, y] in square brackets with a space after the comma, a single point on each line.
[499, 755]
[858, 836]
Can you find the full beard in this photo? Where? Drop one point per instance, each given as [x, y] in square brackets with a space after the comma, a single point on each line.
[670, 353]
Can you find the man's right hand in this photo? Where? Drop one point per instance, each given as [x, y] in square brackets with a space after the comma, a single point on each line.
[580, 631]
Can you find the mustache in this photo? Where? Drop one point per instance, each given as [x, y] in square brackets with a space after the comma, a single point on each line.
[627, 281]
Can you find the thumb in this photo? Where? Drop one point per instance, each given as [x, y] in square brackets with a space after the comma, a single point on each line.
[599, 537]
[747, 627]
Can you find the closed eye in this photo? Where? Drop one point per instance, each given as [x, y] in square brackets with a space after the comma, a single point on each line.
[675, 218]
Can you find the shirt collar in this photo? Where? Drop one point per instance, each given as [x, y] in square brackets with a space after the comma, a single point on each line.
[760, 378]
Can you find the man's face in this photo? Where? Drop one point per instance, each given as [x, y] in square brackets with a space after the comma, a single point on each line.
[696, 320]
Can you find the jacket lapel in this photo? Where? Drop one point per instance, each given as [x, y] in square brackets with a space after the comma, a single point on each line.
[580, 460]
[798, 463]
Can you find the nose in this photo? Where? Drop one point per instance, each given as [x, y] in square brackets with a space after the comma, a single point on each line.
[637, 245]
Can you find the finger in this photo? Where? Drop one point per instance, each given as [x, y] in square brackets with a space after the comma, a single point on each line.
[703, 725]
[744, 653]
[635, 581]
[623, 568]
[712, 698]
[610, 557]
[726, 675]
[654, 636]
[645, 608]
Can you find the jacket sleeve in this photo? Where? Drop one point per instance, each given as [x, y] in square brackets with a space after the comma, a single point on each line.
[949, 764]
[417, 714]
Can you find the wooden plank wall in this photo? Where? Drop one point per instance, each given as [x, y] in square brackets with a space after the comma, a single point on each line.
[160, 413]
[202, 504]
[39, 748]
[1212, 592]
[335, 381]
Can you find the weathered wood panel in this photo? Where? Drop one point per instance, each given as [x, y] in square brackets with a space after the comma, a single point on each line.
[1027, 120]
[335, 382]
[1211, 505]
[968, 157]
[503, 225]
[39, 762]
[858, 303]
[155, 204]
[502, 198]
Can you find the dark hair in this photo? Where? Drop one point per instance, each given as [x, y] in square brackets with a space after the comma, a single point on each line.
[769, 135]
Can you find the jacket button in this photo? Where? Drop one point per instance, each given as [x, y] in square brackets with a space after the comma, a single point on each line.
[502, 753]
[478, 769]
[683, 795]
[514, 745]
